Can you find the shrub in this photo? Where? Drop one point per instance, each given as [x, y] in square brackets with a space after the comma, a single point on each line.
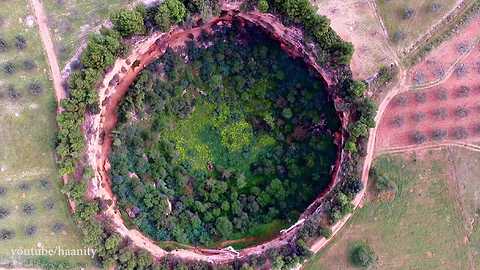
[362, 255]
[402, 100]
[435, 7]
[24, 186]
[463, 91]
[263, 5]
[6, 234]
[13, 94]
[420, 97]
[383, 184]
[461, 112]
[398, 36]
[325, 232]
[460, 133]
[419, 116]
[128, 22]
[418, 137]
[9, 68]
[460, 70]
[442, 94]
[408, 13]
[58, 227]
[4, 212]
[398, 121]
[440, 113]
[3, 45]
[386, 75]
[20, 42]
[31, 230]
[49, 204]
[29, 65]
[439, 134]
[28, 209]
[44, 184]
[3, 191]
[35, 88]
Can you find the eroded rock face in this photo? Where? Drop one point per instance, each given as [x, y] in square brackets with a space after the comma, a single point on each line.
[116, 83]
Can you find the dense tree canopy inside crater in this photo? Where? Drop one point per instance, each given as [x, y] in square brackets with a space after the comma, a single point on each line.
[237, 137]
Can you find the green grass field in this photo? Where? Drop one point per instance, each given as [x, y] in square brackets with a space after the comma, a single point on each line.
[424, 226]
[71, 21]
[26, 153]
[407, 20]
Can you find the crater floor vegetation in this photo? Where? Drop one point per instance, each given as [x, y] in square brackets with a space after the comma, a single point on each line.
[221, 138]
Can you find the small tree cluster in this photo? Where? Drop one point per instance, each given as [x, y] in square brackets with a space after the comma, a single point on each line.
[170, 12]
[128, 22]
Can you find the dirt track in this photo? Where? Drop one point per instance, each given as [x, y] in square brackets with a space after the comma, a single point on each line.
[49, 48]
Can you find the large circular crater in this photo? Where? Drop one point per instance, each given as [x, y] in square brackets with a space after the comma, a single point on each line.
[223, 142]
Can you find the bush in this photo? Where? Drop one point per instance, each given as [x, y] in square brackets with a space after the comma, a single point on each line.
[461, 112]
[398, 121]
[408, 13]
[31, 230]
[440, 113]
[58, 227]
[3, 191]
[128, 22]
[12, 93]
[418, 137]
[362, 255]
[29, 65]
[35, 88]
[398, 36]
[9, 68]
[383, 184]
[6, 234]
[4, 212]
[463, 91]
[28, 209]
[418, 116]
[44, 184]
[439, 134]
[20, 42]
[442, 94]
[460, 133]
[49, 204]
[3, 45]
[24, 186]
[420, 97]
[401, 100]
